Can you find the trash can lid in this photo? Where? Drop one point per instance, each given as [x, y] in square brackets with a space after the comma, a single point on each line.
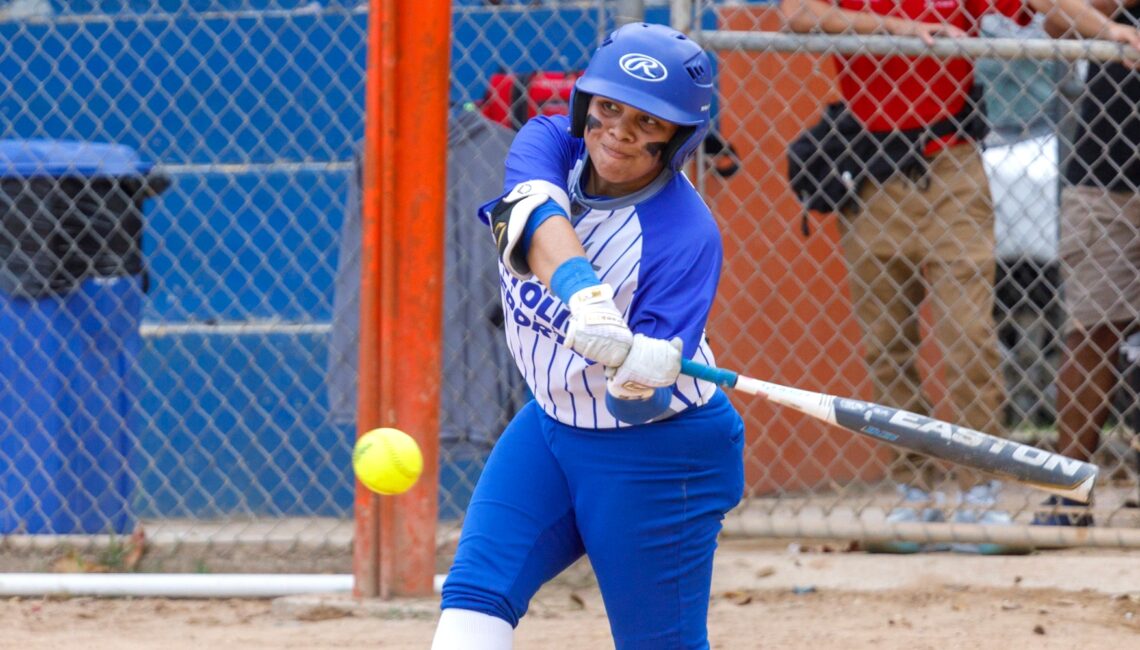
[25, 158]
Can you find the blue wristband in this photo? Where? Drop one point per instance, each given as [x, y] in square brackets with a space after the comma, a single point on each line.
[572, 276]
[640, 411]
[536, 219]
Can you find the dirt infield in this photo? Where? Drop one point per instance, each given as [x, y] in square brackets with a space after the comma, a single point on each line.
[765, 596]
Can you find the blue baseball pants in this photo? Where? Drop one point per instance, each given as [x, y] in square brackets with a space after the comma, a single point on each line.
[644, 502]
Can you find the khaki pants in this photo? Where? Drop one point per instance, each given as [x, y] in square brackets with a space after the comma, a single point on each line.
[929, 239]
[1100, 252]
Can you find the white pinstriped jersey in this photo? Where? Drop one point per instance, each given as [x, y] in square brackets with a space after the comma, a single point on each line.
[662, 255]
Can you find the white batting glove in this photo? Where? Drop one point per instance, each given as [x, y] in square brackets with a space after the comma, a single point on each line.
[651, 364]
[596, 329]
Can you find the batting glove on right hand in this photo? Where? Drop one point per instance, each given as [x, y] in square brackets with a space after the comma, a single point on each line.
[596, 329]
[651, 364]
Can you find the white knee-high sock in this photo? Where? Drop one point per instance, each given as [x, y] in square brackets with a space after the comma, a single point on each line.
[463, 629]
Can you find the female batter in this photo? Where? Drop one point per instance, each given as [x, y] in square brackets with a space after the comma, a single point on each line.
[609, 263]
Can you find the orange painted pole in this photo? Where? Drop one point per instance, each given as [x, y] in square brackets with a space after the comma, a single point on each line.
[375, 189]
[404, 187]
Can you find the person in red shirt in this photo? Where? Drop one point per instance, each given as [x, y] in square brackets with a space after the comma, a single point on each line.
[929, 235]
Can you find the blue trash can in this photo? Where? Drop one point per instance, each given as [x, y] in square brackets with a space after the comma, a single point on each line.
[71, 290]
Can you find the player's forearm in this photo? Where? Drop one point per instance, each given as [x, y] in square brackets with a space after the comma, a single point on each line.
[1075, 17]
[554, 242]
[815, 15]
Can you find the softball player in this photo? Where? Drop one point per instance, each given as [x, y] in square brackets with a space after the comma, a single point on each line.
[609, 263]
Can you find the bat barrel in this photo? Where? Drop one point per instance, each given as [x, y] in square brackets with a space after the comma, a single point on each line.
[1009, 459]
[1045, 470]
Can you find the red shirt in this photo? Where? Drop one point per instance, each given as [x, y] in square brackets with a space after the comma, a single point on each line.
[900, 92]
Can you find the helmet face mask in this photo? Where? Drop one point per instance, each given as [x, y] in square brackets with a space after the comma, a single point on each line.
[654, 69]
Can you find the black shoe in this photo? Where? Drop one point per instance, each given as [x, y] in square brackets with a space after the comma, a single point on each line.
[1062, 519]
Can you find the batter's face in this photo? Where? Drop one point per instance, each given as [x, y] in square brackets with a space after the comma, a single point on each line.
[625, 146]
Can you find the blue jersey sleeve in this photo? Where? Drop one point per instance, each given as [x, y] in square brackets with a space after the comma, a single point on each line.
[542, 150]
[682, 254]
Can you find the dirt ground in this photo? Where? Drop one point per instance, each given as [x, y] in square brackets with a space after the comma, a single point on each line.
[764, 596]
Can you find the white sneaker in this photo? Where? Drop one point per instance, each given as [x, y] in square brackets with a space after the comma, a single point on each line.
[909, 511]
[978, 506]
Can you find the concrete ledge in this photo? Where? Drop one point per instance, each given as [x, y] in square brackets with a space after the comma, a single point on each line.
[322, 607]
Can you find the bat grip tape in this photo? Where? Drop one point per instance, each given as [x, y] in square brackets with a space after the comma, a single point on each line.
[718, 376]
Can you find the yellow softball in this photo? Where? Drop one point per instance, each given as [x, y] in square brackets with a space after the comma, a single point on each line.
[387, 460]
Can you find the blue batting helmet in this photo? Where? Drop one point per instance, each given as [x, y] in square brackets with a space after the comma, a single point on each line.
[655, 69]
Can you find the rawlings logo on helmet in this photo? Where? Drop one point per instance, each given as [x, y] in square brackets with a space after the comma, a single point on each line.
[643, 66]
[649, 53]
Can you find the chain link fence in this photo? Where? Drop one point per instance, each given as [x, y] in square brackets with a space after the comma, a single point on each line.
[197, 381]
[181, 403]
[876, 304]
